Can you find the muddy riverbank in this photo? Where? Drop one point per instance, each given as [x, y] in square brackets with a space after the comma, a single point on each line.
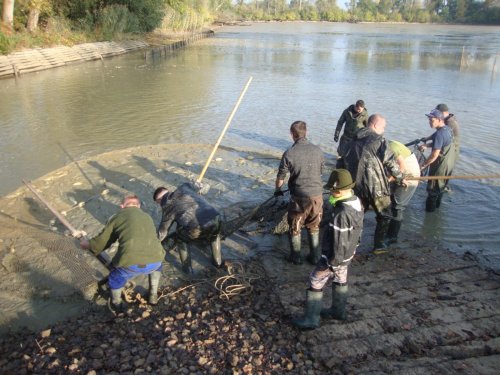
[416, 309]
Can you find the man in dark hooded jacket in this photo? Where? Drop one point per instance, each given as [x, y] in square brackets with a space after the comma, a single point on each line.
[373, 166]
[196, 219]
[355, 117]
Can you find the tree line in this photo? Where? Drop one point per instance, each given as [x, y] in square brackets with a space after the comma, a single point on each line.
[69, 21]
[423, 11]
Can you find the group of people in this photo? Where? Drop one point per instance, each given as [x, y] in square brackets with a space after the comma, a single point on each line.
[370, 172]
[140, 250]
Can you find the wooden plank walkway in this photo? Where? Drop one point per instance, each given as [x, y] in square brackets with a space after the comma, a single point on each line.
[35, 60]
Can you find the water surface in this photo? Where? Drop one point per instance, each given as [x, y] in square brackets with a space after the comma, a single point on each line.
[308, 71]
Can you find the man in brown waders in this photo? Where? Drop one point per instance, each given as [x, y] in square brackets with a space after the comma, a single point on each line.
[304, 162]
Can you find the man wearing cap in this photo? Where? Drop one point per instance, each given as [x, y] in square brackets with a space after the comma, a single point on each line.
[139, 251]
[355, 117]
[338, 248]
[373, 166]
[451, 120]
[304, 162]
[197, 221]
[442, 159]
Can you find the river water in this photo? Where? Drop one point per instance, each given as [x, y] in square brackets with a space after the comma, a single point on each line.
[308, 71]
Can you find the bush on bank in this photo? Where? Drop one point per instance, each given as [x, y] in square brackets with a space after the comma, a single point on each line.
[70, 22]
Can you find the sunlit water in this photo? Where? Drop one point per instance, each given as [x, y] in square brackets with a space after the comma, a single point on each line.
[308, 71]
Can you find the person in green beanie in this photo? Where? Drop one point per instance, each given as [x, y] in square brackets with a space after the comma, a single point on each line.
[338, 249]
[139, 251]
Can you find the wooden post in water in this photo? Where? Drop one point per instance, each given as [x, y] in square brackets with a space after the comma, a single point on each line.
[494, 69]
[462, 58]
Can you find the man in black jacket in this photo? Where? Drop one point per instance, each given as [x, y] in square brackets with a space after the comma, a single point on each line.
[373, 166]
[339, 246]
[355, 118]
[196, 219]
[304, 162]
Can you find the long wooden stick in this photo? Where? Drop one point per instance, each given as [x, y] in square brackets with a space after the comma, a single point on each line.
[478, 177]
[59, 217]
[64, 222]
[224, 130]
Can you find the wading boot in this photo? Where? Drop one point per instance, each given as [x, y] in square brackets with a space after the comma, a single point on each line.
[393, 231]
[314, 250]
[430, 204]
[184, 256]
[216, 252]
[310, 319]
[379, 245]
[438, 200]
[117, 304]
[295, 243]
[154, 282]
[339, 299]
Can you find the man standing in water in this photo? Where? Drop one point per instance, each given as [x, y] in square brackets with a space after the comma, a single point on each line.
[196, 219]
[339, 246]
[401, 194]
[369, 158]
[355, 117]
[441, 161]
[139, 251]
[304, 161]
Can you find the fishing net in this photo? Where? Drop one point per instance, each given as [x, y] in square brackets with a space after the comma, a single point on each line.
[67, 274]
[268, 215]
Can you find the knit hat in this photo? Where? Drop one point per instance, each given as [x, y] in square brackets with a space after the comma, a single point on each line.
[442, 107]
[340, 179]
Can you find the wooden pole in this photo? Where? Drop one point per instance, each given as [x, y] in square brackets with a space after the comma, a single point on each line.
[478, 177]
[224, 130]
[65, 222]
[60, 217]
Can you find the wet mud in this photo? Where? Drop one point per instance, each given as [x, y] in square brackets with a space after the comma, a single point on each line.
[416, 309]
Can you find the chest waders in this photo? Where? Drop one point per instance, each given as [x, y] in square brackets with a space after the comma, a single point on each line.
[443, 166]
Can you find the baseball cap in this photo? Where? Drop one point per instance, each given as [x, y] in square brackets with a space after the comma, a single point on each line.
[436, 113]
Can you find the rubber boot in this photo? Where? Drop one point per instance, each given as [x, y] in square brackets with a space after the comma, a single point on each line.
[314, 250]
[216, 252]
[438, 200]
[339, 299]
[154, 282]
[117, 304]
[295, 244]
[379, 238]
[184, 256]
[393, 231]
[314, 302]
[431, 204]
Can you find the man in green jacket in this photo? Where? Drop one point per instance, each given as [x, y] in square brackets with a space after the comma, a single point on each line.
[139, 251]
[355, 117]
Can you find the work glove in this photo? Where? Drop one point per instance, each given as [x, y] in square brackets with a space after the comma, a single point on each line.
[336, 137]
[278, 192]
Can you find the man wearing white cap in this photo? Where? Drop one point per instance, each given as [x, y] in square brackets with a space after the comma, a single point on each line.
[441, 160]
